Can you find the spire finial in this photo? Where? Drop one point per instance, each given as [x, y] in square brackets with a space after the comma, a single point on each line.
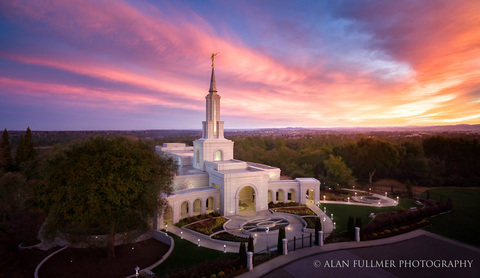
[213, 58]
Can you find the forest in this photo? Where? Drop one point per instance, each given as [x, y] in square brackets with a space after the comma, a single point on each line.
[335, 159]
[432, 161]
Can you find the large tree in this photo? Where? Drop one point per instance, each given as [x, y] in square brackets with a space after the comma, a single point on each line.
[6, 161]
[111, 183]
[370, 155]
[338, 172]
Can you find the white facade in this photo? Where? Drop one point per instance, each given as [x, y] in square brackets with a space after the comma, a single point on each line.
[210, 179]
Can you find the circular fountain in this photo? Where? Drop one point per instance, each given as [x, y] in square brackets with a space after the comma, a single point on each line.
[260, 225]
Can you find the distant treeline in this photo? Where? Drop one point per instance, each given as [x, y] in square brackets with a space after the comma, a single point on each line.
[433, 161]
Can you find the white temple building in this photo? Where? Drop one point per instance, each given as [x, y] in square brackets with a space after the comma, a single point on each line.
[210, 179]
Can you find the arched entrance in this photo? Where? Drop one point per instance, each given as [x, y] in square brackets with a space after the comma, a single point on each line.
[310, 196]
[209, 205]
[291, 195]
[246, 200]
[184, 210]
[280, 198]
[197, 207]
[168, 215]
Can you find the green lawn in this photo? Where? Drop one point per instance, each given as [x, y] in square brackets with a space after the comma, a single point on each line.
[463, 222]
[342, 212]
[186, 254]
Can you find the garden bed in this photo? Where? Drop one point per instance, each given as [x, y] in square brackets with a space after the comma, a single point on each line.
[310, 221]
[300, 211]
[225, 236]
[193, 219]
[282, 205]
[208, 226]
[396, 231]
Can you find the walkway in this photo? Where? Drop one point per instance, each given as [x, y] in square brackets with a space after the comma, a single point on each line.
[295, 229]
[401, 254]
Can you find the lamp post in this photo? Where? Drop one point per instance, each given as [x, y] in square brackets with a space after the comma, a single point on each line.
[136, 271]
[224, 248]
[181, 235]
[198, 242]
[268, 249]
[331, 216]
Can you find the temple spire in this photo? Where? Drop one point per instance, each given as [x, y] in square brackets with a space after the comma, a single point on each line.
[213, 85]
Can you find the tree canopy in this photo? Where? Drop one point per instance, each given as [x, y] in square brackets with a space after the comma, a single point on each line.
[6, 161]
[109, 183]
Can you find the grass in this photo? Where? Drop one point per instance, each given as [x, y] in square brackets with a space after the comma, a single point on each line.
[462, 223]
[186, 254]
[342, 212]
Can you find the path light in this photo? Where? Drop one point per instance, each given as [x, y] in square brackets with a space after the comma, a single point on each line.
[370, 189]
[355, 194]
[378, 203]
[181, 235]
[334, 225]
[324, 197]
[166, 227]
[318, 203]
[397, 198]
[324, 218]
[268, 249]
[348, 198]
[198, 242]
[331, 216]
[354, 187]
[385, 194]
[325, 209]
[136, 271]
[224, 248]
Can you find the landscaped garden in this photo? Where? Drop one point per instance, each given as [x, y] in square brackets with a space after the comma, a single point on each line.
[341, 212]
[208, 226]
[292, 208]
[462, 222]
[226, 236]
[310, 221]
[188, 259]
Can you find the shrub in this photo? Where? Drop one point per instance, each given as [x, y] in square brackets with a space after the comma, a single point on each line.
[242, 252]
[281, 236]
[318, 227]
[250, 246]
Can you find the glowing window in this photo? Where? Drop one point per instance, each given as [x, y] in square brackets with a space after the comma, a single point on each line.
[218, 155]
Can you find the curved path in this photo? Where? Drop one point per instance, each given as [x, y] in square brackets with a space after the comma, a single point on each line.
[295, 229]
[400, 254]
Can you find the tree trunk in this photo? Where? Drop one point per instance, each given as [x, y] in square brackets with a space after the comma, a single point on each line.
[370, 176]
[111, 242]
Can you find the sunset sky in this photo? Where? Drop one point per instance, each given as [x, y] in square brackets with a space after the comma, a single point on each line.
[133, 65]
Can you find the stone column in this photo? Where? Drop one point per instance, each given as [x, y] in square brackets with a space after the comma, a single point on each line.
[203, 208]
[249, 260]
[357, 234]
[285, 246]
[321, 238]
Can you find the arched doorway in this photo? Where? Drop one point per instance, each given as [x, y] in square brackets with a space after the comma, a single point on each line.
[197, 207]
[184, 210]
[280, 196]
[168, 215]
[310, 196]
[209, 205]
[246, 200]
[270, 198]
[291, 195]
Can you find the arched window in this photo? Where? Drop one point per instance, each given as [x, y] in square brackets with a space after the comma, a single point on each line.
[218, 155]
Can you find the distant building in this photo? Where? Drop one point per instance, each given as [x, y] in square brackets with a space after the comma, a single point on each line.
[210, 179]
